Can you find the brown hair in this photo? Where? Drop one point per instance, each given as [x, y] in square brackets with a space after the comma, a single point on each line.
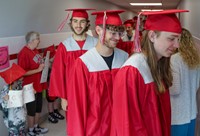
[160, 69]
[115, 28]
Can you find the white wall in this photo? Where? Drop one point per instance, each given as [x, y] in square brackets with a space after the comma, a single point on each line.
[44, 16]
[19, 17]
[191, 20]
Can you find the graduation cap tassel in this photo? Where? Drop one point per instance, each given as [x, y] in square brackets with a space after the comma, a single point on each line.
[137, 35]
[63, 23]
[104, 28]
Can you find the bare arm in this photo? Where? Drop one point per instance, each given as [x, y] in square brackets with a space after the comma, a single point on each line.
[34, 71]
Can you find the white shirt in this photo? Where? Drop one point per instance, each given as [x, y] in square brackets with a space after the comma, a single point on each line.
[183, 91]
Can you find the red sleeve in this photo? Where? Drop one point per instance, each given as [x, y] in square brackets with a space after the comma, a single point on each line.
[77, 100]
[23, 60]
[127, 115]
[57, 86]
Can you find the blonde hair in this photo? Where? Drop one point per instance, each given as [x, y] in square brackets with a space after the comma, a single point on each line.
[160, 69]
[188, 50]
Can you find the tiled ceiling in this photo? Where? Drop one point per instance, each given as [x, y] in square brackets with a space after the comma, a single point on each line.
[166, 4]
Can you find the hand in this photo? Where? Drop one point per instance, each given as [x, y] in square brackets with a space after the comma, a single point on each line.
[41, 67]
[64, 104]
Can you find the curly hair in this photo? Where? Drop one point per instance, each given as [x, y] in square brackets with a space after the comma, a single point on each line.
[115, 28]
[188, 50]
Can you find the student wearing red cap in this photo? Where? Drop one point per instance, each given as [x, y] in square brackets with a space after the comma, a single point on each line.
[53, 103]
[186, 81]
[30, 60]
[130, 30]
[141, 101]
[15, 117]
[90, 96]
[126, 42]
[69, 50]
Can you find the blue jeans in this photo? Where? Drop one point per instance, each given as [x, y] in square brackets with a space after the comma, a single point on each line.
[183, 130]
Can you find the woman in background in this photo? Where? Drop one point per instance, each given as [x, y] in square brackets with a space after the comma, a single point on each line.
[186, 81]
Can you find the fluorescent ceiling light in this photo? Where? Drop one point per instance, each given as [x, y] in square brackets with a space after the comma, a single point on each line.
[151, 9]
[146, 4]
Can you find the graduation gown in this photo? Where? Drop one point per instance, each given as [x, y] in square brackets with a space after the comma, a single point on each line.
[65, 56]
[138, 110]
[90, 95]
[126, 46]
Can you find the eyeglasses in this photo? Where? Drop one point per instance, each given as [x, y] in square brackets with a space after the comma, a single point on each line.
[115, 33]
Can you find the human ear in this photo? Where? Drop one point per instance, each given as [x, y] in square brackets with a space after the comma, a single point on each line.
[151, 35]
[98, 30]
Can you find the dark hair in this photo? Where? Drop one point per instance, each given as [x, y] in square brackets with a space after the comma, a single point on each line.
[115, 28]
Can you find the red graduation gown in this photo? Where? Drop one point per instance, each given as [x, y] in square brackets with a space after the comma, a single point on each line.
[127, 46]
[68, 51]
[137, 109]
[90, 95]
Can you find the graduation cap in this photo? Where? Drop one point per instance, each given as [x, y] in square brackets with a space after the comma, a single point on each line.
[165, 20]
[51, 49]
[107, 17]
[12, 74]
[77, 12]
[129, 22]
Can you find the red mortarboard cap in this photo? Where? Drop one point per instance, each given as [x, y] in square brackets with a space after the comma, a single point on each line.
[165, 20]
[13, 73]
[79, 12]
[51, 49]
[112, 17]
[129, 23]
[75, 13]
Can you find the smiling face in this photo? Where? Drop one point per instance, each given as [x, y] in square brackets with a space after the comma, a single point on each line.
[79, 25]
[112, 38]
[112, 35]
[165, 43]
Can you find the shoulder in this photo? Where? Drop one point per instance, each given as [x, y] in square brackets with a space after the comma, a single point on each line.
[139, 62]
[23, 51]
[120, 55]
[89, 55]
[92, 38]
[68, 40]
[121, 52]
[176, 59]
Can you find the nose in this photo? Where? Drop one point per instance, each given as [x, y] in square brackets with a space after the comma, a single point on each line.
[79, 24]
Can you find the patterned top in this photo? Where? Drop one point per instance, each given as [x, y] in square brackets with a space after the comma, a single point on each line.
[14, 118]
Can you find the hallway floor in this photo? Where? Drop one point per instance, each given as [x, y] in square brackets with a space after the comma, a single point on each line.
[58, 129]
